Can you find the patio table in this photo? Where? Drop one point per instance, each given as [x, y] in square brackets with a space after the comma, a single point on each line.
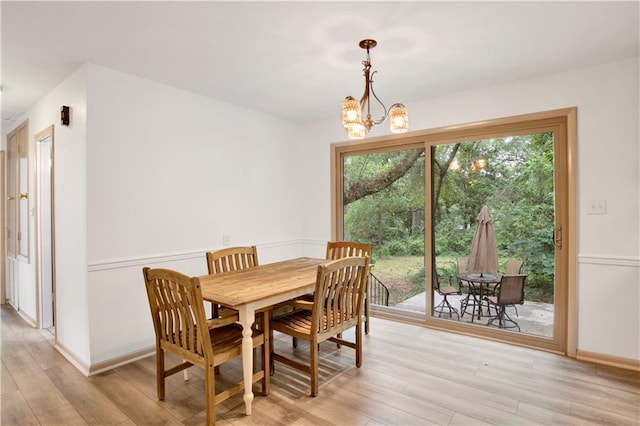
[477, 284]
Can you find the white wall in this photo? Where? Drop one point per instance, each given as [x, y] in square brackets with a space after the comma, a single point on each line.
[608, 163]
[72, 315]
[169, 173]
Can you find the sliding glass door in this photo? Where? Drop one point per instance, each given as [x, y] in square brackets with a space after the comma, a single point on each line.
[383, 204]
[418, 200]
[513, 177]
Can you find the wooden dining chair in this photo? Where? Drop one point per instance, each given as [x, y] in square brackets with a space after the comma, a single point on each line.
[227, 260]
[342, 249]
[509, 291]
[338, 250]
[336, 307]
[180, 325]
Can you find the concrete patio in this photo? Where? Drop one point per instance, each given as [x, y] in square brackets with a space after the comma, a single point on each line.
[533, 317]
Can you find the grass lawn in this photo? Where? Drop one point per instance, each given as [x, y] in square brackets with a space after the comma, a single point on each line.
[394, 273]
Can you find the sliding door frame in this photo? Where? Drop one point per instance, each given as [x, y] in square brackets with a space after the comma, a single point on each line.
[562, 123]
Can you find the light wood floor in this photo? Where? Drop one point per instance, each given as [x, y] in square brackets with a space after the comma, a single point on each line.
[410, 376]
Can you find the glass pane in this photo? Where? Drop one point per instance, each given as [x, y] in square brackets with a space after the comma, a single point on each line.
[384, 199]
[513, 177]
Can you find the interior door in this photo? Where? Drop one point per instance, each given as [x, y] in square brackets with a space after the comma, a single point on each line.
[17, 146]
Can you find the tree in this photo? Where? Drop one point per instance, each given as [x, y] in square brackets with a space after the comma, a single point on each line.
[357, 187]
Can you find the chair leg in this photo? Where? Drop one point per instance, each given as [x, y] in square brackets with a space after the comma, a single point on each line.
[271, 350]
[185, 372]
[294, 342]
[265, 352]
[313, 365]
[358, 345]
[503, 318]
[160, 372]
[210, 394]
[366, 315]
[445, 305]
[214, 310]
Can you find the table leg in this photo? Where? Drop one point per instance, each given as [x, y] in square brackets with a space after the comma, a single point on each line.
[247, 317]
[480, 301]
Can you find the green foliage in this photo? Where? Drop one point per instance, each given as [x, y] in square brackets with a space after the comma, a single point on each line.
[391, 219]
[517, 185]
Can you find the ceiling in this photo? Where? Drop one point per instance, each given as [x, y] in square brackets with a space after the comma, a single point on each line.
[298, 60]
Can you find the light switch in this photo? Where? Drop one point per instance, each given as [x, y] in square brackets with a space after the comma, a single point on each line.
[597, 207]
[226, 239]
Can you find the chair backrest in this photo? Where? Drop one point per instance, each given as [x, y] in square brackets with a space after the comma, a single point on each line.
[513, 267]
[462, 265]
[178, 316]
[232, 259]
[511, 290]
[339, 293]
[436, 280]
[341, 249]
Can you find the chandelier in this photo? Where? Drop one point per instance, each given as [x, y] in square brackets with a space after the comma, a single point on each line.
[356, 116]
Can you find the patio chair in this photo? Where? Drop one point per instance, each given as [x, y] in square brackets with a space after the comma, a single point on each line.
[511, 267]
[509, 291]
[180, 325]
[336, 307]
[445, 288]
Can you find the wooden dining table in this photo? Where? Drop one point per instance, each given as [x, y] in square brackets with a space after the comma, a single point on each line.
[255, 288]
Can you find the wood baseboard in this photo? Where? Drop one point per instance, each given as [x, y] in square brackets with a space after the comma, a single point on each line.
[614, 361]
[33, 323]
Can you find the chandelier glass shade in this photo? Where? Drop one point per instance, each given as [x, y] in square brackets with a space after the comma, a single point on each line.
[356, 116]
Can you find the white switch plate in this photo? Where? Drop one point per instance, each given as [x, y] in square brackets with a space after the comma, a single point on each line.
[597, 207]
[226, 239]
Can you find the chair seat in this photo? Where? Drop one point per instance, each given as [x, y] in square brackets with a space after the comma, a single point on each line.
[300, 323]
[449, 289]
[228, 340]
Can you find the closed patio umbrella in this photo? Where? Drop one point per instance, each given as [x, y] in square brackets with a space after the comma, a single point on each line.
[483, 257]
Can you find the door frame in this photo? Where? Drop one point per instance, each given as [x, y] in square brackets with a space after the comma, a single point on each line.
[3, 232]
[564, 122]
[40, 136]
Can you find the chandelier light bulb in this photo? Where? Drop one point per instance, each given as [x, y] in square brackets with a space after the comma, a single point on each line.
[356, 131]
[351, 114]
[398, 119]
